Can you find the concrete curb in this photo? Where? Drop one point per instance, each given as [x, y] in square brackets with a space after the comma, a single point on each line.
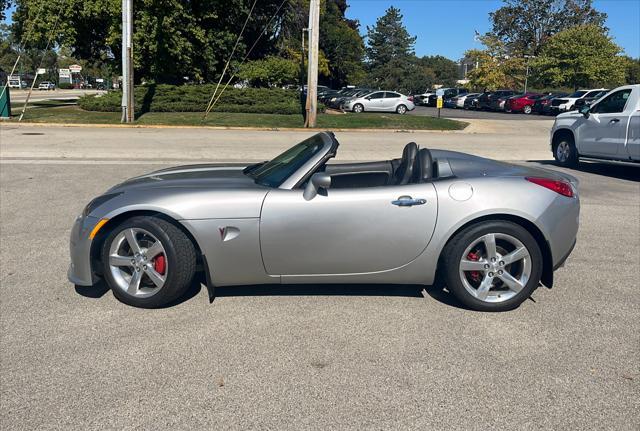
[257, 129]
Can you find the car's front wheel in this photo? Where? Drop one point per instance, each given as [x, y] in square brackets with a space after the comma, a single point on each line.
[565, 152]
[148, 261]
[401, 109]
[527, 109]
[493, 265]
[358, 108]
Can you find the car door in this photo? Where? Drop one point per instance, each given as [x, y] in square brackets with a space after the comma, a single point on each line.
[390, 101]
[374, 101]
[346, 231]
[603, 133]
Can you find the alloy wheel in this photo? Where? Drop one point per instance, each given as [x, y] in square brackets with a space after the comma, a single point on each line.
[495, 267]
[563, 150]
[138, 262]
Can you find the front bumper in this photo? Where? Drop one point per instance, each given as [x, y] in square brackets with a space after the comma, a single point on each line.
[80, 272]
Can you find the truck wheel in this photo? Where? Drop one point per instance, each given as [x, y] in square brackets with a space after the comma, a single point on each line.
[565, 152]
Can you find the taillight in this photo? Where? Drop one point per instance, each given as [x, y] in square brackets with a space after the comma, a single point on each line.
[562, 187]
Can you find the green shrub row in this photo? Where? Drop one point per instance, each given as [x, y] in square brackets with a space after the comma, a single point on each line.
[65, 86]
[194, 98]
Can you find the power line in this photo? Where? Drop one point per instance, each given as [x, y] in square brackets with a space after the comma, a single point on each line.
[245, 57]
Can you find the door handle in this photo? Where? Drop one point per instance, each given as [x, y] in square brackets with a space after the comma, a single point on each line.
[408, 201]
[614, 120]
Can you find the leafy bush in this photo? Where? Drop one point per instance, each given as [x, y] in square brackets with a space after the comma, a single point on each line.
[194, 98]
[65, 86]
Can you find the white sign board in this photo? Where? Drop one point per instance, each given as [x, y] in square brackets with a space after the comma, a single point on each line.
[64, 73]
[75, 68]
[99, 80]
[440, 92]
[41, 71]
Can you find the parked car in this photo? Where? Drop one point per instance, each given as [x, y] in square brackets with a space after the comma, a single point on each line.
[423, 98]
[499, 103]
[486, 100]
[359, 93]
[564, 104]
[461, 99]
[473, 102]
[542, 105]
[589, 100]
[522, 103]
[16, 82]
[380, 101]
[492, 231]
[448, 93]
[46, 85]
[608, 129]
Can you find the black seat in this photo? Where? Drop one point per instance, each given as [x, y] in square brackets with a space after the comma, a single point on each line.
[423, 166]
[405, 171]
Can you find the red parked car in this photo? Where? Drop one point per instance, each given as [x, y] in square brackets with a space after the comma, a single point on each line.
[523, 103]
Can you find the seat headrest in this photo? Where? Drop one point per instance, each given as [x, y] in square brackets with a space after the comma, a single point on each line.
[406, 170]
[424, 165]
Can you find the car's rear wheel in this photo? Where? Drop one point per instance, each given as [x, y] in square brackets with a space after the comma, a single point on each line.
[493, 266]
[357, 108]
[565, 152]
[527, 109]
[148, 261]
[401, 109]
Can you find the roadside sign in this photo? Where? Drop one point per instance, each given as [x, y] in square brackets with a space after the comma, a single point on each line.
[75, 68]
[440, 92]
[99, 79]
[439, 102]
[64, 73]
[41, 71]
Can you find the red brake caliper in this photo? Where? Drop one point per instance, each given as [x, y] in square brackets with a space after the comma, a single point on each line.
[475, 275]
[159, 264]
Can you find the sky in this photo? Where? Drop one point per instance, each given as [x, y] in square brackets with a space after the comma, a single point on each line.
[446, 27]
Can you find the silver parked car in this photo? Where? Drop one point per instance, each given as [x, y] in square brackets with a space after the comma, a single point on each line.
[491, 231]
[380, 101]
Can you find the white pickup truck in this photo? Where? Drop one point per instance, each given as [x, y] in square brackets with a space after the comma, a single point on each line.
[608, 129]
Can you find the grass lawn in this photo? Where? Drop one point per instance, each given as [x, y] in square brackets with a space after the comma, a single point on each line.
[74, 115]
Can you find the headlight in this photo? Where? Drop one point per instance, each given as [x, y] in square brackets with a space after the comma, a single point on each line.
[95, 203]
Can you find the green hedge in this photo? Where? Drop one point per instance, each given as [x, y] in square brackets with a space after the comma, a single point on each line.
[65, 86]
[194, 98]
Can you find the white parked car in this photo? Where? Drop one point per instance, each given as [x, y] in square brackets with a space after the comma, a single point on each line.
[460, 99]
[380, 101]
[564, 104]
[46, 85]
[607, 129]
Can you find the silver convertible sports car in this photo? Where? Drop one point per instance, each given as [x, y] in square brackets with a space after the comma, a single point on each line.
[492, 232]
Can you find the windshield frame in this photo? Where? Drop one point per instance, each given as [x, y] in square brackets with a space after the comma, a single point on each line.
[313, 161]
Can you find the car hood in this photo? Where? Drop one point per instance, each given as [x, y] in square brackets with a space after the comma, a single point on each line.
[570, 114]
[210, 176]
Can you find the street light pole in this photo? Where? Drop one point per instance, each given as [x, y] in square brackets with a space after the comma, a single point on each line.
[312, 71]
[127, 63]
[526, 76]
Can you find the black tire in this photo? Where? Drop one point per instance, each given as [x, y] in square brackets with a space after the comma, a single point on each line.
[454, 250]
[527, 109]
[565, 152]
[401, 109]
[181, 261]
[358, 108]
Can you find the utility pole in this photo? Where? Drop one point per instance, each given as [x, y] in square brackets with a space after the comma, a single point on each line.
[312, 71]
[127, 63]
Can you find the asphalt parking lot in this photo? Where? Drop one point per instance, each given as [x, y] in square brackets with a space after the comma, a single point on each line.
[300, 357]
[462, 114]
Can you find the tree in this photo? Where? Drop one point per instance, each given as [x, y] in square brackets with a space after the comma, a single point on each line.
[632, 70]
[524, 25]
[445, 71]
[390, 53]
[342, 45]
[172, 38]
[496, 68]
[581, 56]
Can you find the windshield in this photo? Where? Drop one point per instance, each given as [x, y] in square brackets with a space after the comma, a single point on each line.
[578, 94]
[276, 171]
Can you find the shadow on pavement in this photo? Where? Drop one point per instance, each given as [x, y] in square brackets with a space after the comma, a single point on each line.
[622, 171]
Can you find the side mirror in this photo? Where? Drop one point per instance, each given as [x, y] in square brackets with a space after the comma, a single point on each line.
[319, 180]
[584, 110]
[368, 98]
